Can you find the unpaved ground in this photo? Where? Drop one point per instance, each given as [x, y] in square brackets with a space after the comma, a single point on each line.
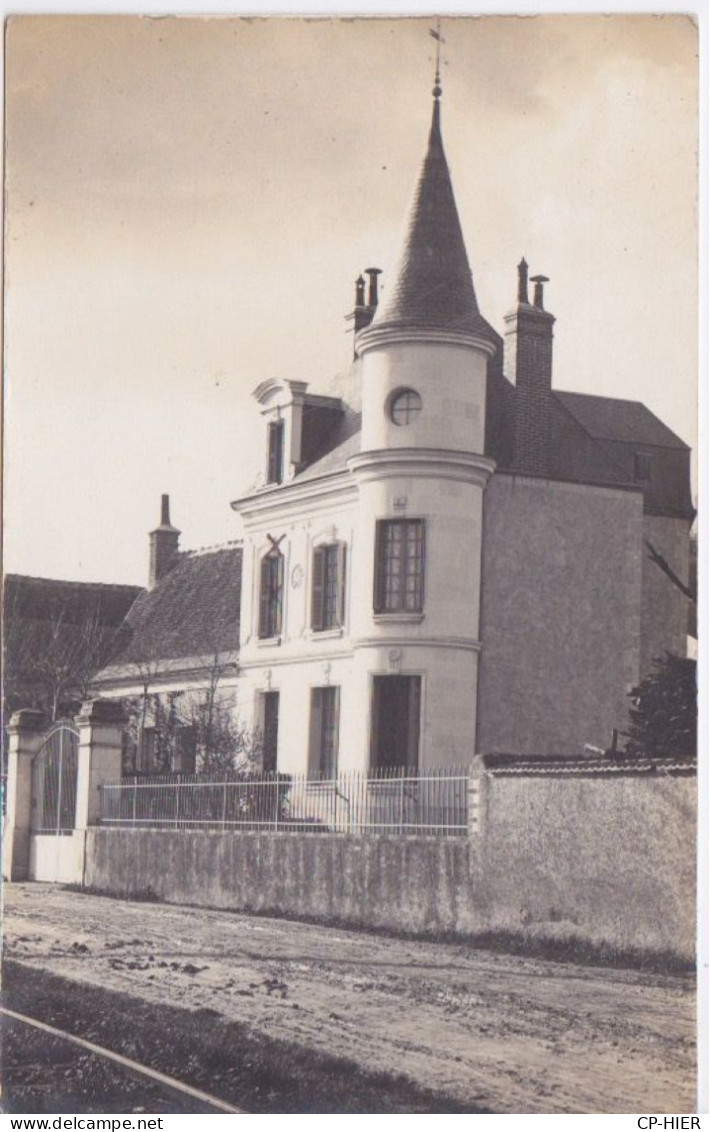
[497, 1032]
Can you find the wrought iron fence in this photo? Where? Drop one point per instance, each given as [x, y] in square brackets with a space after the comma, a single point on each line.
[54, 781]
[435, 802]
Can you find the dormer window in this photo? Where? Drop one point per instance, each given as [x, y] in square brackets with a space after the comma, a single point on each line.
[642, 466]
[275, 461]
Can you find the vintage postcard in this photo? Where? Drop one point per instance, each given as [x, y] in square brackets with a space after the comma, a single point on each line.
[350, 754]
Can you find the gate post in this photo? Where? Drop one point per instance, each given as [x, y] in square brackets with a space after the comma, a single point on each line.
[25, 734]
[100, 725]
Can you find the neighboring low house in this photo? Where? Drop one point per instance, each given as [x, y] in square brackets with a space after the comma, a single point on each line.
[444, 555]
[56, 635]
[181, 637]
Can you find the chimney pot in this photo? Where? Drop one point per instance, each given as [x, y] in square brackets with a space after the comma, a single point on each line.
[163, 544]
[523, 281]
[539, 280]
[373, 273]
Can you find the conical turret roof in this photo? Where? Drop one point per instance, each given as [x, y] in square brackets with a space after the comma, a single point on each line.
[432, 286]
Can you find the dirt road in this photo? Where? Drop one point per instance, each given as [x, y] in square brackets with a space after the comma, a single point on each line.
[497, 1032]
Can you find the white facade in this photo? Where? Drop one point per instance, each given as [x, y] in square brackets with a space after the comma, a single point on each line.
[430, 469]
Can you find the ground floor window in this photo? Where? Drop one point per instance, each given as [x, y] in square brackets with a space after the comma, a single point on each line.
[270, 731]
[395, 723]
[323, 744]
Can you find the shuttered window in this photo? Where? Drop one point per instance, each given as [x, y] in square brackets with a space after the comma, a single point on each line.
[328, 587]
[271, 594]
[323, 753]
[275, 466]
[400, 566]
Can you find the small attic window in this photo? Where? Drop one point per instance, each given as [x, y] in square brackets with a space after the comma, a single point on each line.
[275, 456]
[642, 466]
[405, 405]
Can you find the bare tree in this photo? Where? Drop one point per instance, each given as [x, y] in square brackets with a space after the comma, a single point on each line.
[51, 657]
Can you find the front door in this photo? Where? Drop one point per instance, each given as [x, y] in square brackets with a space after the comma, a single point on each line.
[395, 728]
[271, 732]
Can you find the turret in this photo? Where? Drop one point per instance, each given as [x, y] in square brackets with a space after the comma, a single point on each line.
[426, 349]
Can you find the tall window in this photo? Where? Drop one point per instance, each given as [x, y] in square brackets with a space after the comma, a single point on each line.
[400, 566]
[275, 466]
[271, 594]
[323, 760]
[329, 587]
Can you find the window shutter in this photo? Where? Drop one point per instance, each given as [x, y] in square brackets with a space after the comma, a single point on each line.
[336, 692]
[264, 587]
[317, 588]
[315, 725]
[379, 580]
[278, 596]
[342, 584]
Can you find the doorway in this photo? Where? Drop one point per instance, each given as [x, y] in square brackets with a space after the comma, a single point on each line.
[395, 725]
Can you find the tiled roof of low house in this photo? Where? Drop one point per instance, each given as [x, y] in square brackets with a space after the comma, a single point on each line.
[193, 611]
[609, 418]
[38, 598]
[587, 765]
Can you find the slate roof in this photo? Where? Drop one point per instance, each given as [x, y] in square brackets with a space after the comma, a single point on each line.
[433, 282]
[341, 444]
[610, 418]
[41, 598]
[193, 611]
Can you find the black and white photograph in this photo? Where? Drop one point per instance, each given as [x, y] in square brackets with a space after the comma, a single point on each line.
[350, 479]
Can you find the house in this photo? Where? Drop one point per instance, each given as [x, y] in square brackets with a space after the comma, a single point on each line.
[55, 635]
[444, 555]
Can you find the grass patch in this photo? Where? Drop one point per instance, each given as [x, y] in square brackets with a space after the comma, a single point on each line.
[226, 1059]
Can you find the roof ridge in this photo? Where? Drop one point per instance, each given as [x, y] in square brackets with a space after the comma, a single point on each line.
[213, 548]
[73, 582]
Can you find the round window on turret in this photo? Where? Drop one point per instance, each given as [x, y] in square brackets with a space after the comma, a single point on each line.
[405, 404]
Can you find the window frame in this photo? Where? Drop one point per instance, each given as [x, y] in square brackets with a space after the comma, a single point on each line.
[383, 571]
[276, 437]
[324, 723]
[328, 587]
[410, 411]
[270, 613]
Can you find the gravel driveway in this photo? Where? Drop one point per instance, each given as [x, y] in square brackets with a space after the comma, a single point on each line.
[498, 1032]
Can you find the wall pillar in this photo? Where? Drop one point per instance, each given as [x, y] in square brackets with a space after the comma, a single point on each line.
[477, 796]
[100, 724]
[25, 734]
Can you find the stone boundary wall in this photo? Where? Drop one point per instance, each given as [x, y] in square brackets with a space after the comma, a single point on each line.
[606, 860]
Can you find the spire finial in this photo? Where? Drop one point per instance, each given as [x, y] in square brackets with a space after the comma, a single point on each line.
[437, 35]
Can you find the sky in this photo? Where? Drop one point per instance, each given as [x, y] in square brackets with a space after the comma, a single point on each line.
[189, 202]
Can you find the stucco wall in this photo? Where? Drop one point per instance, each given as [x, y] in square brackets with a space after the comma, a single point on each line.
[603, 860]
[612, 856]
[560, 616]
[665, 610]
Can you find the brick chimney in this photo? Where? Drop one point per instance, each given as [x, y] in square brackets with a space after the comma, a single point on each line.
[364, 312]
[163, 544]
[528, 364]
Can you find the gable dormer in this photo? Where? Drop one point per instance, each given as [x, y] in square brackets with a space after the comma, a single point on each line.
[282, 408]
[295, 422]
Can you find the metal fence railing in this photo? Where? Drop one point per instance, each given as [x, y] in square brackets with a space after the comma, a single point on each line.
[435, 802]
